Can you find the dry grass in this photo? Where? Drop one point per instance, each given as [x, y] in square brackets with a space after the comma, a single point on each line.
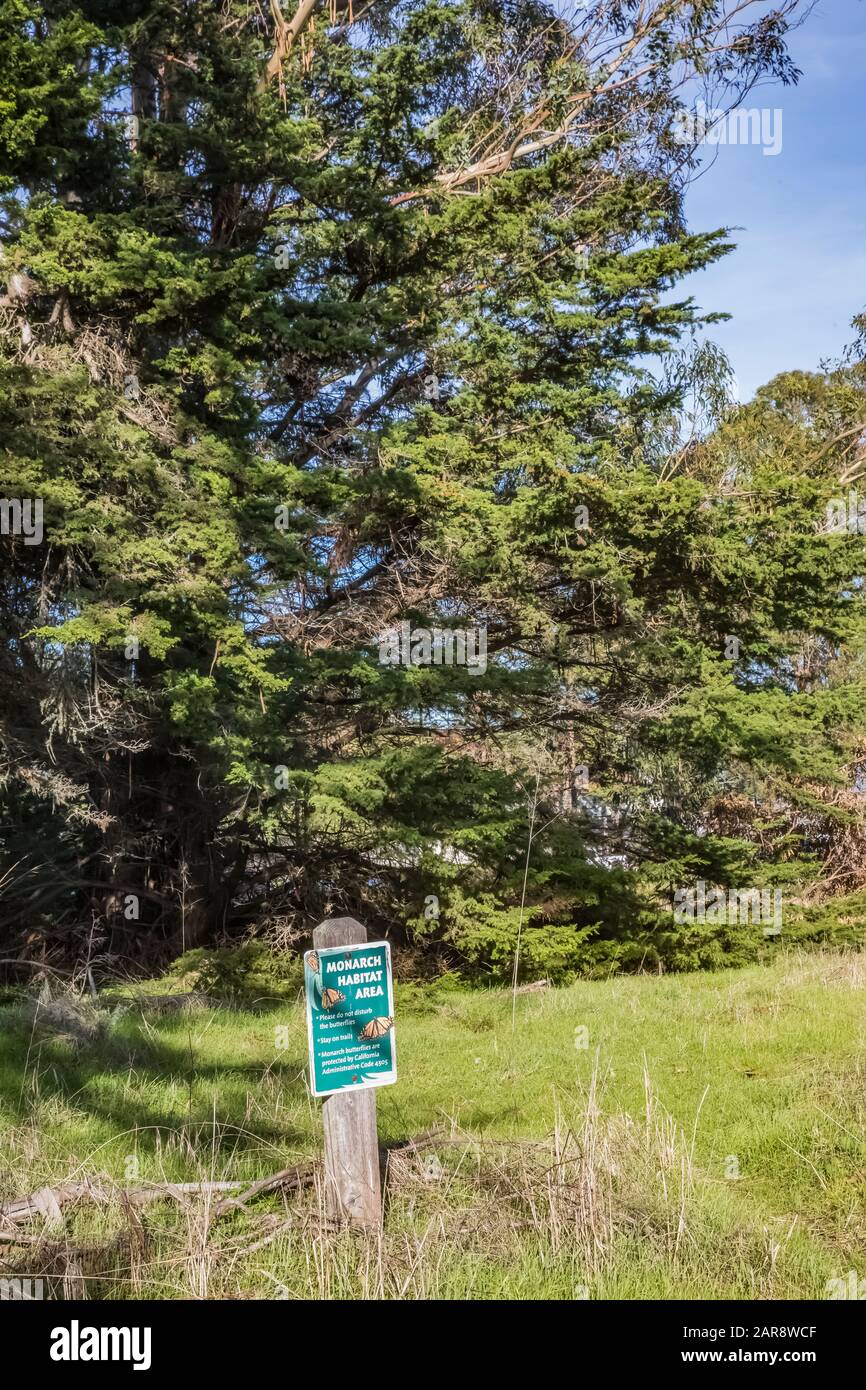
[552, 1172]
[565, 1201]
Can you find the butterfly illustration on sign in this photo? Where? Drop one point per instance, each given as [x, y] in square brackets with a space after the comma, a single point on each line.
[376, 1028]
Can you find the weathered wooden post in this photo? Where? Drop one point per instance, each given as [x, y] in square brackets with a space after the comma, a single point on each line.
[350, 1020]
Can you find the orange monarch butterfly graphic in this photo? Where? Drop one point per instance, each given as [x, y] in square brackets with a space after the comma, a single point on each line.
[313, 961]
[377, 1028]
[330, 997]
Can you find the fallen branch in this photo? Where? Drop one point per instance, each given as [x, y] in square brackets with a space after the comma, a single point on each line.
[48, 1202]
[292, 1178]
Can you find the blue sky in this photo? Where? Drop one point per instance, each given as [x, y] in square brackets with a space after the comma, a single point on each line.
[798, 274]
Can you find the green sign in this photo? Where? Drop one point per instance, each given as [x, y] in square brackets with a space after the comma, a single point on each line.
[350, 1017]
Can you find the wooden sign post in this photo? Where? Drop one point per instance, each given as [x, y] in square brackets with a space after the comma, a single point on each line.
[350, 1021]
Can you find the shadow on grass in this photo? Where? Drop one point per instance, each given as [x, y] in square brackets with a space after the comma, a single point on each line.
[115, 1079]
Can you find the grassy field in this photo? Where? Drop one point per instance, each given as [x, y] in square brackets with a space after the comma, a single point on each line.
[646, 1137]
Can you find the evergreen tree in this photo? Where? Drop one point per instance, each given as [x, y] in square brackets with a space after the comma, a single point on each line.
[315, 326]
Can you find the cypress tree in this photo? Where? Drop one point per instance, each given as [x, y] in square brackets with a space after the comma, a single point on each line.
[320, 328]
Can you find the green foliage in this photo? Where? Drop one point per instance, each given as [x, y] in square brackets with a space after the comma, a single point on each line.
[287, 368]
[838, 923]
[427, 996]
[241, 975]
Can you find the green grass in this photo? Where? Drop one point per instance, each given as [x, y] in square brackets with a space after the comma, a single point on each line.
[707, 1141]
